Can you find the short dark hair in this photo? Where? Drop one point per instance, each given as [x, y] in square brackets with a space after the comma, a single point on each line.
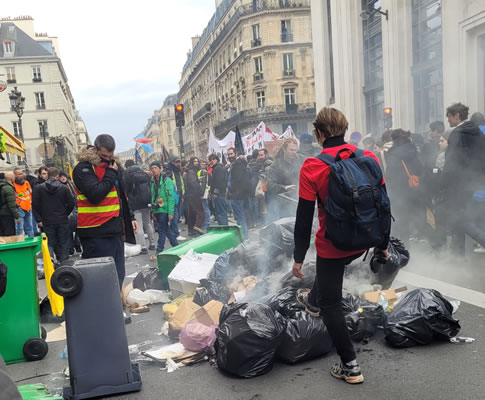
[62, 173]
[458, 108]
[231, 148]
[43, 168]
[105, 141]
[438, 126]
[266, 152]
[214, 157]
[53, 172]
[255, 154]
[129, 163]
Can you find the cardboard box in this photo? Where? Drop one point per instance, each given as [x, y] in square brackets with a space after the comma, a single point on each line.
[209, 314]
[11, 239]
[185, 313]
[186, 275]
[390, 295]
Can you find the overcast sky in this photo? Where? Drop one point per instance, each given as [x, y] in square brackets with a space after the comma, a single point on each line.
[121, 61]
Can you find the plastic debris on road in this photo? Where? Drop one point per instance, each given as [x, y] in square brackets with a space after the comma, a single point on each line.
[461, 339]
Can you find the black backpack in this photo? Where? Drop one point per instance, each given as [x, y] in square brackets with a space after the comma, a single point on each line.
[358, 209]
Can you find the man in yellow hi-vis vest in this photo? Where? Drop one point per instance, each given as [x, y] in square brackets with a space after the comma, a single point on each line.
[104, 219]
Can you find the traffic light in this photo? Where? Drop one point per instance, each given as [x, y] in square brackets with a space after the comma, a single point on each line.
[179, 115]
[60, 148]
[387, 118]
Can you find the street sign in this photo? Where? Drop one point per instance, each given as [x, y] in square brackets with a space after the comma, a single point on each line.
[50, 150]
[355, 137]
[3, 86]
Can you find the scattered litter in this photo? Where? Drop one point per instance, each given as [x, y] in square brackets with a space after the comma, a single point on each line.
[170, 308]
[151, 296]
[455, 304]
[148, 278]
[57, 334]
[172, 365]
[164, 330]
[198, 337]
[461, 339]
[132, 250]
[132, 275]
[176, 352]
[36, 391]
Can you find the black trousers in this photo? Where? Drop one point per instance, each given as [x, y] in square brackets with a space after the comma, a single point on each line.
[58, 236]
[327, 294]
[107, 247]
[7, 226]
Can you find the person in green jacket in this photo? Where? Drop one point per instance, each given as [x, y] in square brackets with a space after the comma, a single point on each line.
[163, 205]
[9, 212]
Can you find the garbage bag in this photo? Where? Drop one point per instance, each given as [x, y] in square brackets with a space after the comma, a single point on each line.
[221, 270]
[247, 339]
[420, 317]
[3, 278]
[201, 296]
[148, 279]
[132, 250]
[385, 271]
[197, 337]
[304, 338]
[362, 316]
[279, 236]
[250, 256]
[283, 302]
[309, 271]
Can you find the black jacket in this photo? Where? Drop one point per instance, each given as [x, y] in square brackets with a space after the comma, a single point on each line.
[218, 180]
[178, 178]
[239, 179]
[87, 183]
[137, 186]
[429, 153]
[397, 180]
[52, 202]
[463, 170]
[192, 184]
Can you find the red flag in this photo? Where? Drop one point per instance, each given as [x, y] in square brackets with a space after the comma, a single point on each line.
[143, 140]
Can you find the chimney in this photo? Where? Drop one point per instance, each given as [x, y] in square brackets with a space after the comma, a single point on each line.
[195, 40]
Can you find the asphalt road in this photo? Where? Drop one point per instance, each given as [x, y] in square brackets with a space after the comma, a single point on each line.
[438, 371]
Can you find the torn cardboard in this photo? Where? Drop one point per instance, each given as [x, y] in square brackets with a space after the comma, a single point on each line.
[188, 311]
[390, 294]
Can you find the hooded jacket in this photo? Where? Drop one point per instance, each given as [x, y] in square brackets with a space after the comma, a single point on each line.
[463, 171]
[192, 184]
[239, 185]
[95, 190]
[8, 205]
[284, 173]
[137, 185]
[52, 202]
[218, 180]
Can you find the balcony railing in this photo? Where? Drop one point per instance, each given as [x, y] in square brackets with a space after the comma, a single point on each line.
[258, 76]
[256, 43]
[286, 37]
[203, 111]
[12, 80]
[289, 72]
[39, 79]
[291, 108]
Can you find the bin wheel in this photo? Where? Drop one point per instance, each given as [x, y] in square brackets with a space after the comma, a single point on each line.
[67, 281]
[43, 333]
[35, 349]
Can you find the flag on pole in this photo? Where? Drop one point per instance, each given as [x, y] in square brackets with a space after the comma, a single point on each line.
[165, 155]
[238, 143]
[138, 159]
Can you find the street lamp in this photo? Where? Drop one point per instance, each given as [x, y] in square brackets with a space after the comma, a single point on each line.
[17, 103]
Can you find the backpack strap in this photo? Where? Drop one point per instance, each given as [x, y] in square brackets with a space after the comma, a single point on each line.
[326, 158]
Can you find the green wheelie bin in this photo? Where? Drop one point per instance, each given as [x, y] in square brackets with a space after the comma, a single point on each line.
[217, 240]
[20, 331]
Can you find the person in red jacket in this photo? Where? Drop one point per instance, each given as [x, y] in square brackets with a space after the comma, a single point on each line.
[330, 127]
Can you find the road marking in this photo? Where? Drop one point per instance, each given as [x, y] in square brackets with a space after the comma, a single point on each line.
[447, 289]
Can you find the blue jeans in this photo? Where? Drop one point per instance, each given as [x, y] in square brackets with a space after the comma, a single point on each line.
[164, 231]
[220, 209]
[240, 215]
[207, 214]
[174, 225]
[255, 211]
[25, 224]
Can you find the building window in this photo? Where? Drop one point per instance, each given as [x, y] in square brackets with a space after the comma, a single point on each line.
[11, 75]
[290, 96]
[169, 127]
[258, 68]
[260, 99]
[16, 128]
[288, 69]
[240, 43]
[8, 48]
[39, 100]
[373, 78]
[235, 48]
[228, 55]
[36, 77]
[256, 36]
[43, 130]
[427, 63]
[286, 35]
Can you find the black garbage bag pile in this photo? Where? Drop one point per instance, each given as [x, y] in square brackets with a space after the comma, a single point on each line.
[378, 270]
[422, 316]
[149, 279]
[248, 337]
[278, 236]
[363, 317]
[211, 290]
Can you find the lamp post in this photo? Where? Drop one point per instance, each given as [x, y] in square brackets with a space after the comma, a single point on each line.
[17, 103]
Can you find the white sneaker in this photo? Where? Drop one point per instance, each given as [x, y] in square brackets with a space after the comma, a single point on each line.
[181, 238]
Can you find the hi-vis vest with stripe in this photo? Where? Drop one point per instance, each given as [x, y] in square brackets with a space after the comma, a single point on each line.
[93, 215]
[23, 194]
